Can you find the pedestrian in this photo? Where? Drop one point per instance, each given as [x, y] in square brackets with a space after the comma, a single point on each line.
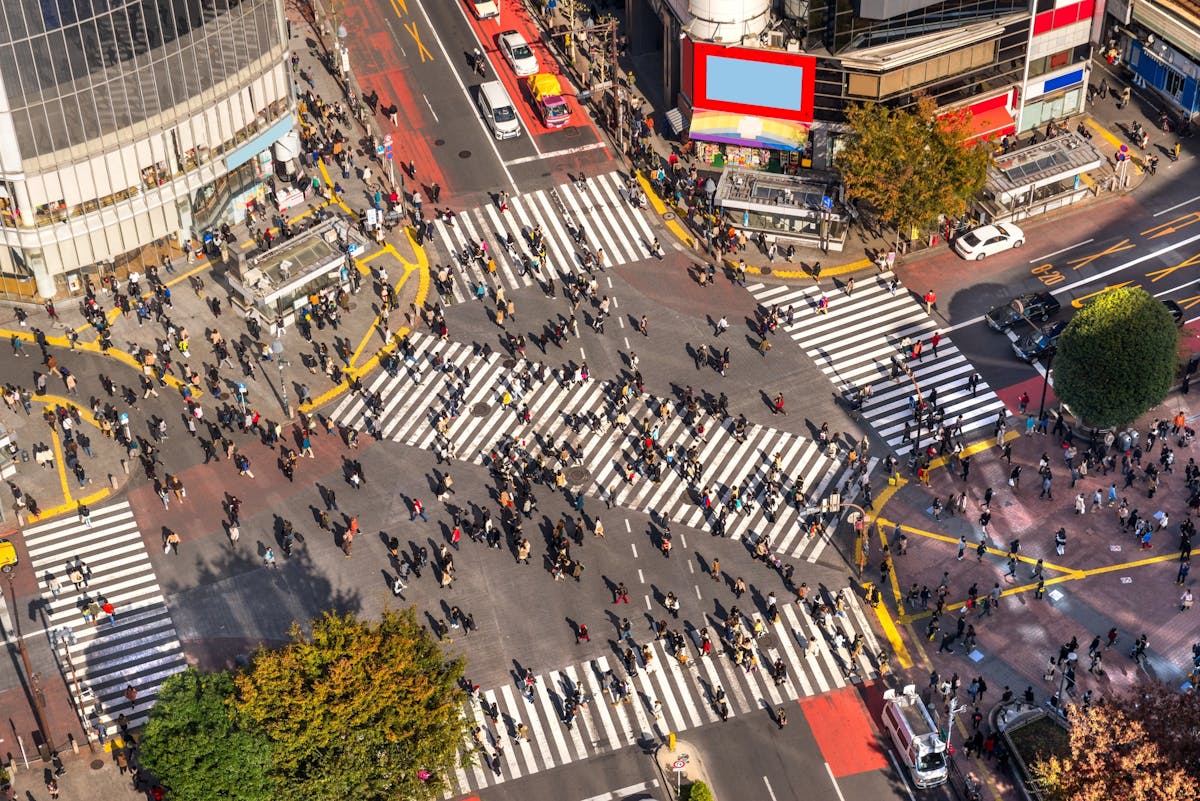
[131, 695]
[777, 408]
[962, 547]
[418, 510]
[581, 634]
[171, 540]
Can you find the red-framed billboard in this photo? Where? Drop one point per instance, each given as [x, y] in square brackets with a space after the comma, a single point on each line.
[743, 80]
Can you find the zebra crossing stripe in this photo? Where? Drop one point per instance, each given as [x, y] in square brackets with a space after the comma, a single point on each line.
[142, 647]
[408, 411]
[853, 344]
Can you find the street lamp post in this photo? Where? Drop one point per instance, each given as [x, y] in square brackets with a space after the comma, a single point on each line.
[277, 349]
[34, 692]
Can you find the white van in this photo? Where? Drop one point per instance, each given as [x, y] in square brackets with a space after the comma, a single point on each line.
[917, 739]
[498, 110]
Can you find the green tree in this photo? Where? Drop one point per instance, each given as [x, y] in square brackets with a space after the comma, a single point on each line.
[196, 743]
[1117, 357]
[911, 165]
[1140, 745]
[358, 710]
[698, 791]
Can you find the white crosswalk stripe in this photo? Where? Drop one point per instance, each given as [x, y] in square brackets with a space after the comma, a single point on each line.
[141, 648]
[600, 208]
[853, 344]
[409, 411]
[685, 695]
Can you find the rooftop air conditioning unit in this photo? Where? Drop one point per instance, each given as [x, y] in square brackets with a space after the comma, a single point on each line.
[776, 39]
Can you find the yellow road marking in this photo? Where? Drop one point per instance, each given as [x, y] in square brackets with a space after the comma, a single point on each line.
[422, 270]
[1082, 300]
[1119, 247]
[58, 400]
[1155, 275]
[1112, 139]
[61, 466]
[374, 327]
[673, 225]
[411, 27]
[70, 506]
[893, 635]
[92, 347]
[1172, 226]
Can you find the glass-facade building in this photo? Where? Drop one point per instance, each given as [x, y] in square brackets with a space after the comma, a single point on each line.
[128, 127]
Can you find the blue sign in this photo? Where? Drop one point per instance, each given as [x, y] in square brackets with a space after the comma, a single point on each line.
[388, 153]
[241, 388]
[827, 203]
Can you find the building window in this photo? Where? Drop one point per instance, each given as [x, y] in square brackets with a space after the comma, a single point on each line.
[1174, 84]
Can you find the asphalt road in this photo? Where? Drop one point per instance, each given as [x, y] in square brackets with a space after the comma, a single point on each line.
[1150, 239]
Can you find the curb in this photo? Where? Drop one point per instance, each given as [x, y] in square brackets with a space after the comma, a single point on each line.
[671, 220]
[692, 772]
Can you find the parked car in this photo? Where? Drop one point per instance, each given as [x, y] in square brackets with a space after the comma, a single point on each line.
[1042, 342]
[1033, 305]
[988, 240]
[485, 9]
[1176, 311]
[518, 53]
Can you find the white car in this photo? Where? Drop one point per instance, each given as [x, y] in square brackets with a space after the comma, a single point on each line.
[518, 53]
[485, 9]
[988, 240]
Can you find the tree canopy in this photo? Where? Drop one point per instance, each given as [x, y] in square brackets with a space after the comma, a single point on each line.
[197, 744]
[358, 710]
[361, 710]
[1117, 357]
[911, 165]
[1142, 745]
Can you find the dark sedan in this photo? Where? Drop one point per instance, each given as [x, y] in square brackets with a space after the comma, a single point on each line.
[1034, 305]
[1041, 343]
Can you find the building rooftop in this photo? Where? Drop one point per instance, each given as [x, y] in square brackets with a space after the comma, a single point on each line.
[742, 188]
[1064, 155]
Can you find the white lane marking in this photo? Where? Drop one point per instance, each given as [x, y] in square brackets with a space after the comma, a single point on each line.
[1064, 250]
[556, 154]
[837, 789]
[466, 92]
[770, 791]
[1177, 205]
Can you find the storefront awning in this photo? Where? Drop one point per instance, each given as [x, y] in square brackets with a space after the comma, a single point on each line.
[747, 130]
[994, 122]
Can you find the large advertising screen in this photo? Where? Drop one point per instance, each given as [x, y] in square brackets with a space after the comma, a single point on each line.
[742, 80]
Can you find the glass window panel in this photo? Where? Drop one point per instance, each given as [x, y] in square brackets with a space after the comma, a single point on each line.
[26, 138]
[76, 54]
[40, 53]
[8, 66]
[90, 103]
[59, 64]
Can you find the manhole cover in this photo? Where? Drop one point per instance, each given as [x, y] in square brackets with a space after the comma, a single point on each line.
[576, 475]
[509, 363]
[97, 764]
[765, 270]
[571, 133]
[224, 396]
[439, 142]
[464, 154]
[668, 216]
[480, 409]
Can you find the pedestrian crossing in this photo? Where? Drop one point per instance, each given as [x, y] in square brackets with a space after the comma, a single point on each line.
[415, 400]
[141, 648]
[855, 341]
[600, 208]
[815, 650]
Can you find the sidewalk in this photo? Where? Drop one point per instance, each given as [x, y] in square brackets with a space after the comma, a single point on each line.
[401, 256]
[1103, 580]
[88, 776]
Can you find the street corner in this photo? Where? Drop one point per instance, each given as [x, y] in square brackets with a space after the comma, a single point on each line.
[1030, 390]
[681, 764]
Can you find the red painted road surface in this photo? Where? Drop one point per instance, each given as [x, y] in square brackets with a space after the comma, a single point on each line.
[842, 728]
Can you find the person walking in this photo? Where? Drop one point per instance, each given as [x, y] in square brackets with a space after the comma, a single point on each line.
[418, 510]
[777, 408]
[581, 634]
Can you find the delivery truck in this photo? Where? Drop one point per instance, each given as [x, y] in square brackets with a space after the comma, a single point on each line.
[546, 93]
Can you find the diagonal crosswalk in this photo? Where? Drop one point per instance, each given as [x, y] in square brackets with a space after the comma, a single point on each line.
[415, 400]
[600, 209]
[664, 695]
[855, 341]
[141, 648]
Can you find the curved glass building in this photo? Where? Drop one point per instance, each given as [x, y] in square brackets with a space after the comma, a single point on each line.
[128, 127]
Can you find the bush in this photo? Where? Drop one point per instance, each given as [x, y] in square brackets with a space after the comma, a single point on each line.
[1116, 358]
[698, 791]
